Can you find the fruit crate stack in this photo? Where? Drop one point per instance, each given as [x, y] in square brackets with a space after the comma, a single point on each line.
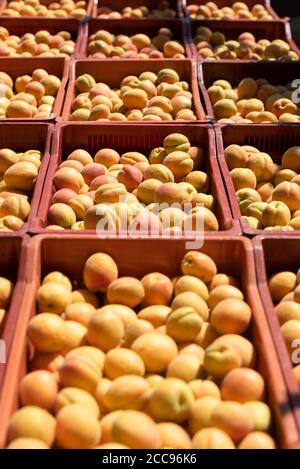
[149, 201]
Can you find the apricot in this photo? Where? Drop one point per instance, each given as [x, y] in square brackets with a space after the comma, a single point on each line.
[193, 301]
[158, 289]
[199, 180]
[183, 324]
[81, 372]
[220, 359]
[290, 159]
[106, 425]
[77, 427]
[100, 270]
[212, 438]
[224, 108]
[136, 329]
[223, 279]
[135, 99]
[105, 330]
[257, 440]
[173, 436]
[170, 401]
[47, 332]
[189, 283]
[242, 385]
[275, 214]
[243, 177]
[199, 265]
[216, 93]
[46, 361]
[287, 310]
[39, 388]
[243, 347]
[107, 157]
[289, 193]
[32, 422]
[127, 392]
[6, 291]
[61, 215]
[53, 297]
[231, 316]
[130, 176]
[202, 388]
[262, 166]
[247, 197]
[186, 367]
[223, 292]
[121, 362]
[146, 346]
[15, 206]
[84, 83]
[169, 193]
[281, 284]
[284, 175]
[7, 158]
[283, 106]
[200, 411]
[247, 88]
[68, 178]
[70, 395]
[235, 156]
[74, 336]
[136, 430]
[290, 331]
[21, 176]
[233, 419]
[27, 443]
[260, 414]
[91, 353]
[126, 290]
[159, 172]
[179, 163]
[85, 296]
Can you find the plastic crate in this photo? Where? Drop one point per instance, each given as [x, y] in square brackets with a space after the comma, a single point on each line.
[275, 254]
[118, 5]
[13, 251]
[92, 137]
[131, 27]
[4, 4]
[58, 66]
[233, 255]
[232, 29]
[266, 140]
[277, 73]
[22, 25]
[113, 74]
[226, 3]
[29, 136]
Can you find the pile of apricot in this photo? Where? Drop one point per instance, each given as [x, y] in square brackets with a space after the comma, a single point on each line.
[163, 10]
[150, 96]
[42, 44]
[29, 96]
[285, 292]
[268, 193]
[19, 172]
[163, 364]
[57, 9]
[213, 45]
[253, 101]
[238, 11]
[6, 291]
[167, 190]
[103, 44]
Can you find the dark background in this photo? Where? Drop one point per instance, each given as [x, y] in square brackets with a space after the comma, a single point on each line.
[289, 8]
